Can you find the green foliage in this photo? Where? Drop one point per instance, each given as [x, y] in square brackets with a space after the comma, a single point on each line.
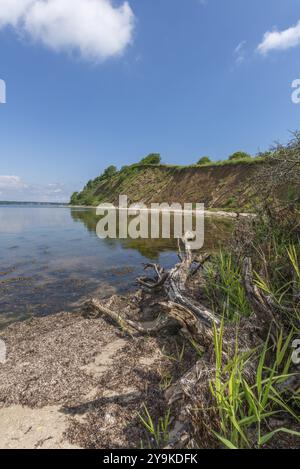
[158, 432]
[87, 196]
[87, 199]
[239, 155]
[152, 158]
[274, 245]
[178, 356]
[74, 198]
[224, 286]
[204, 160]
[231, 202]
[165, 382]
[89, 184]
[110, 172]
[246, 405]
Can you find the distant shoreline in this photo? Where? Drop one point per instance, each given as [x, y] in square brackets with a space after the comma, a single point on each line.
[54, 204]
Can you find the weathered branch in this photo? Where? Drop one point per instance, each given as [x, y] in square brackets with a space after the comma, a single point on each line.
[127, 324]
[174, 283]
[190, 324]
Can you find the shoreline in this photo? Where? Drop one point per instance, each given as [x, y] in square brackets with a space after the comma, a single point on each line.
[208, 213]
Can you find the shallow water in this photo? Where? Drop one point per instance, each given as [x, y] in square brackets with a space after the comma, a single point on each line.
[52, 260]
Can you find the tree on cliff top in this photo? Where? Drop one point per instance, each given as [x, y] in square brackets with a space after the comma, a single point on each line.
[152, 158]
[109, 172]
[204, 160]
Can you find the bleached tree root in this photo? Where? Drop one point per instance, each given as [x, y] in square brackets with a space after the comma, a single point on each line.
[195, 319]
[174, 284]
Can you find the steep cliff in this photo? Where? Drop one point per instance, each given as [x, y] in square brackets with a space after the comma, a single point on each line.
[217, 186]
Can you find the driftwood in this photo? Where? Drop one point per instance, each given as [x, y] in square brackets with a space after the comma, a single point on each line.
[196, 323]
[195, 319]
[127, 324]
[174, 284]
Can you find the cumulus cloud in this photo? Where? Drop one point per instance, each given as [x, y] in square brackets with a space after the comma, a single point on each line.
[96, 29]
[280, 40]
[11, 182]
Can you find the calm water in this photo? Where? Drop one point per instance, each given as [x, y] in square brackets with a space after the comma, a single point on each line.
[52, 260]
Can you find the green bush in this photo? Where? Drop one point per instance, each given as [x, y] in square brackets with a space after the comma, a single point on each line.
[109, 172]
[74, 198]
[88, 199]
[224, 287]
[204, 160]
[152, 158]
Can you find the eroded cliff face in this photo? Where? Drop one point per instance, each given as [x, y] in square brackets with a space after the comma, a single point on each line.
[228, 186]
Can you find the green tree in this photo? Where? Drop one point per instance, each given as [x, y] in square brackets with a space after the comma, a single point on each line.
[239, 155]
[88, 199]
[89, 184]
[109, 172]
[74, 198]
[204, 160]
[152, 158]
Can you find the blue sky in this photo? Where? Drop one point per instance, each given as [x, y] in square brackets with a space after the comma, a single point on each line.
[109, 82]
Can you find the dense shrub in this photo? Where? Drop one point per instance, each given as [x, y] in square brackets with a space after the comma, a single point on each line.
[204, 160]
[109, 172]
[152, 158]
[74, 198]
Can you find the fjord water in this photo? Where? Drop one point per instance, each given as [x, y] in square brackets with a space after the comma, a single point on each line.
[52, 260]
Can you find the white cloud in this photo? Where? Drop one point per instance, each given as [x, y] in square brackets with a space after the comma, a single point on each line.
[280, 40]
[96, 29]
[11, 182]
[16, 189]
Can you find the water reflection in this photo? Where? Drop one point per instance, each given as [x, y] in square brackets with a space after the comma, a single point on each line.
[52, 260]
[217, 232]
